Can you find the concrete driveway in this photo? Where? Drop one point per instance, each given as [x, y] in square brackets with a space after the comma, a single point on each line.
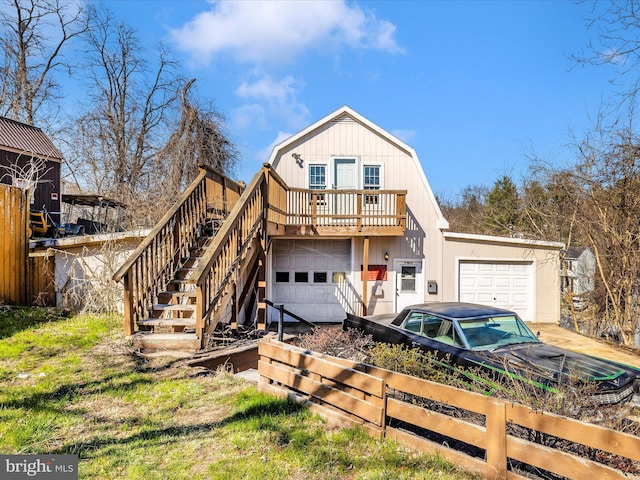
[561, 337]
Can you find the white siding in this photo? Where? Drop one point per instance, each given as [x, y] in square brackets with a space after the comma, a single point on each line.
[348, 137]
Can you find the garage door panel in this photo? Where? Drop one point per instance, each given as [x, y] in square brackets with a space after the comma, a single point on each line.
[468, 282]
[283, 261]
[468, 297]
[501, 284]
[486, 298]
[313, 301]
[467, 267]
[502, 297]
[302, 262]
[520, 282]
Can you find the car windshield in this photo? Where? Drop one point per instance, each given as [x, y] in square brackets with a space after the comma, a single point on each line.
[493, 332]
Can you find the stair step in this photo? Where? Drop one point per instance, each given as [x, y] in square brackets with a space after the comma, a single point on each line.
[183, 273]
[181, 298]
[167, 322]
[166, 341]
[186, 284]
[174, 306]
[189, 262]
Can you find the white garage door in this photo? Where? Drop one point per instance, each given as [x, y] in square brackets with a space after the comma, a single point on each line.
[308, 277]
[500, 284]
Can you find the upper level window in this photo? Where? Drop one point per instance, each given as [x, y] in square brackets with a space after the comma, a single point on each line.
[371, 181]
[318, 181]
[317, 177]
[372, 177]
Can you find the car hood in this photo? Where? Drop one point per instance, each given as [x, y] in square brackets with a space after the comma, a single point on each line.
[552, 364]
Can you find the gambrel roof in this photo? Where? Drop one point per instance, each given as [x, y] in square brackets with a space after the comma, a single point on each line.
[346, 112]
[23, 138]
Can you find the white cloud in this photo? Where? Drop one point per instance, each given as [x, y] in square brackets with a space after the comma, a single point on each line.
[275, 98]
[274, 32]
[404, 135]
[266, 152]
[248, 116]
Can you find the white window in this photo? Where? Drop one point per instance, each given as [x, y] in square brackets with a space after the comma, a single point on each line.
[317, 177]
[371, 181]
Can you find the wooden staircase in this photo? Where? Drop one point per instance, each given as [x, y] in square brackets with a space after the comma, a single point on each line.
[171, 324]
[198, 267]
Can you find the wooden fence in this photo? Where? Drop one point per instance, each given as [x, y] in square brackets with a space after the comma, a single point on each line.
[14, 238]
[383, 403]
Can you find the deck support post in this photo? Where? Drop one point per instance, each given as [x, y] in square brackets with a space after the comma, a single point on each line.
[262, 290]
[129, 326]
[365, 275]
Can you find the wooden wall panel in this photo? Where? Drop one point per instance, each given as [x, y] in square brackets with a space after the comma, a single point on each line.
[14, 214]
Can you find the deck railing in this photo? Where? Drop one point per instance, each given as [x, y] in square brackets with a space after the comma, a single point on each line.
[349, 208]
[152, 265]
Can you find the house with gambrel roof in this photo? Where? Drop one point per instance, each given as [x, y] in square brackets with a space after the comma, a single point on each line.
[345, 151]
[340, 219]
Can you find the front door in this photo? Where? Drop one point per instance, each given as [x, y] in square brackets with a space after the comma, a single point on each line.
[345, 178]
[409, 283]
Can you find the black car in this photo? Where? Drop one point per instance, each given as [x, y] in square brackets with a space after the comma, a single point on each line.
[497, 341]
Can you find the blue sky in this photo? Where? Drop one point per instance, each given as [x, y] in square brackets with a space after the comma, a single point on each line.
[474, 86]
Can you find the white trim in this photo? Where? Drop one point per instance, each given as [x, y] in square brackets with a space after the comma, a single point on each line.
[307, 169]
[442, 222]
[355, 158]
[398, 261]
[506, 240]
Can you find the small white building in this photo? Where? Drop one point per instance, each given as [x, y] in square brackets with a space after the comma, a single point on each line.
[320, 277]
[578, 271]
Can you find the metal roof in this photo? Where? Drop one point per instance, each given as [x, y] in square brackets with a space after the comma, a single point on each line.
[88, 199]
[24, 138]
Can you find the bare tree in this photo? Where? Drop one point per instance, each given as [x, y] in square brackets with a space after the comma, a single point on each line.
[28, 175]
[197, 140]
[596, 201]
[145, 134]
[132, 95]
[33, 36]
[466, 214]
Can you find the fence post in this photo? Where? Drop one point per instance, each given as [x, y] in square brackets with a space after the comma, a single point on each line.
[496, 431]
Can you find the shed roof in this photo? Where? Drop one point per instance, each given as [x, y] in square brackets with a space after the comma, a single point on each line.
[23, 138]
[91, 200]
[573, 252]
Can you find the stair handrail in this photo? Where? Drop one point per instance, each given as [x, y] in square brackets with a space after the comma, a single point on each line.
[159, 226]
[157, 257]
[244, 223]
